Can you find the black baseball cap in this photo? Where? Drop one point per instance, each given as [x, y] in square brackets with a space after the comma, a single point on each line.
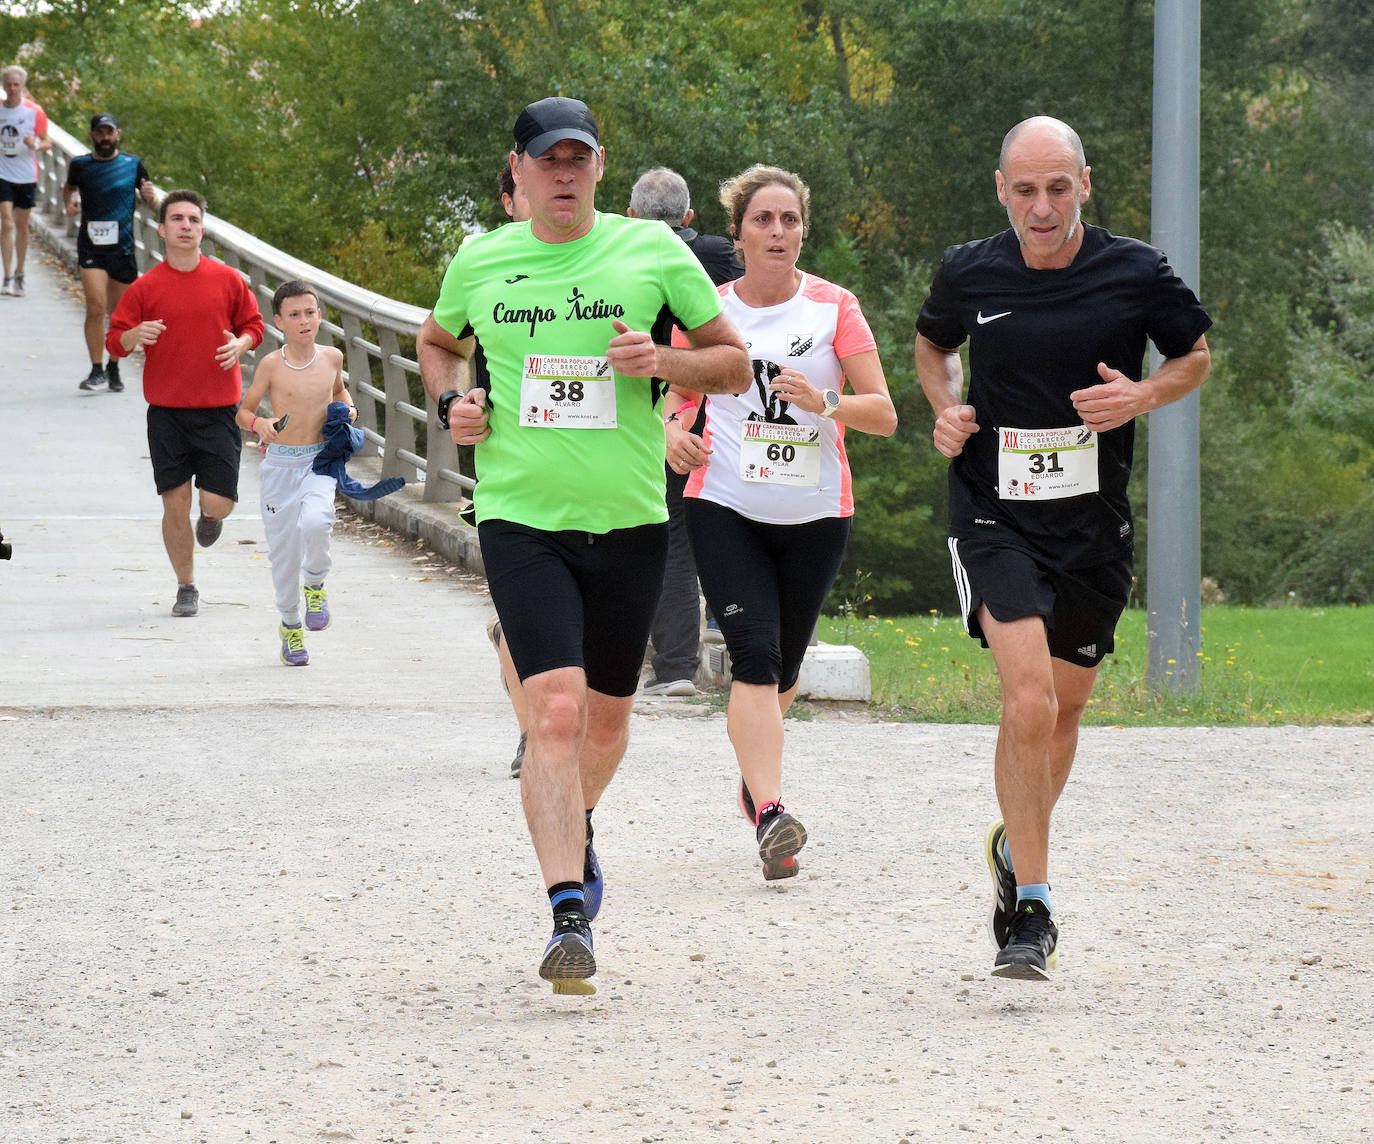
[104, 119]
[543, 124]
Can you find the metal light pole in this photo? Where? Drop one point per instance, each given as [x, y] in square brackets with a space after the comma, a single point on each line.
[1174, 562]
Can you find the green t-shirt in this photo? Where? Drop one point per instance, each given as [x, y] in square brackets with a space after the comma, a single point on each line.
[529, 302]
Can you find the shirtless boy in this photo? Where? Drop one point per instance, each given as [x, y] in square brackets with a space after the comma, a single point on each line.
[300, 380]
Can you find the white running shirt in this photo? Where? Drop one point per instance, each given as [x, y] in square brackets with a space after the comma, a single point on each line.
[811, 332]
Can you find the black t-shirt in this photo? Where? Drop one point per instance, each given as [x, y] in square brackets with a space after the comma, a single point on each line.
[1035, 337]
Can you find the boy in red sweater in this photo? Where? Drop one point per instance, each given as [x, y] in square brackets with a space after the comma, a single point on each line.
[194, 317]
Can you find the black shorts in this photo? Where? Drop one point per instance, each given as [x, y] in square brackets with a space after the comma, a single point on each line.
[576, 599]
[765, 583]
[200, 443]
[119, 264]
[22, 195]
[1080, 607]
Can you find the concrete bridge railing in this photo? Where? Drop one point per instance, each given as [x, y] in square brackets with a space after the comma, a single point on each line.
[375, 333]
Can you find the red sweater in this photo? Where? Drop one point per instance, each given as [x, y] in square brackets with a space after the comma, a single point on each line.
[198, 305]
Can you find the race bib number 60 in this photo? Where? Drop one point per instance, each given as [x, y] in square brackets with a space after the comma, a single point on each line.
[780, 454]
[567, 393]
[1046, 464]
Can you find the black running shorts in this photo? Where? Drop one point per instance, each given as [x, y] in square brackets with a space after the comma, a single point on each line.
[576, 599]
[22, 195]
[766, 584]
[118, 264]
[200, 443]
[1080, 606]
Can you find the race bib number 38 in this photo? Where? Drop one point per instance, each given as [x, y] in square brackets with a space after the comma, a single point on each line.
[1046, 464]
[782, 454]
[567, 393]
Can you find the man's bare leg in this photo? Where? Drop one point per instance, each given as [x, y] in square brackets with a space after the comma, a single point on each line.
[7, 235]
[551, 779]
[608, 734]
[1042, 704]
[21, 240]
[551, 789]
[177, 534]
[97, 288]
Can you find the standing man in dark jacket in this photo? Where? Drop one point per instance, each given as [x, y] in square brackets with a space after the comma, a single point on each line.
[676, 636]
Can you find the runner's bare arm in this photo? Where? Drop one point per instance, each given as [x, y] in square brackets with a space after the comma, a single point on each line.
[442, 359]
[1119, 399]
[941, 375]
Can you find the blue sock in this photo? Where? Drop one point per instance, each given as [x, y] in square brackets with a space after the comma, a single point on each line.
[1040, 890]
[567, 898]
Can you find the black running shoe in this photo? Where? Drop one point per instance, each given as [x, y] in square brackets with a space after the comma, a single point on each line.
[94, 380]
[780, 838]
[112, 376]
[1003, 885]
[593, 884]
[568, 959]
[1032, 949]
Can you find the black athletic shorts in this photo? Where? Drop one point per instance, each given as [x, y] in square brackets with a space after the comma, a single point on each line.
[576, 599]
[200, 443]
[1080, 607]
[118, 264]
[765, 583]
[22, 195]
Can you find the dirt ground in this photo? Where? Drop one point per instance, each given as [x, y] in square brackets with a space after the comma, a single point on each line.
[336, 939]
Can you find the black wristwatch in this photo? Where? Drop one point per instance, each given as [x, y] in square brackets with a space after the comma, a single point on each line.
[445, 400]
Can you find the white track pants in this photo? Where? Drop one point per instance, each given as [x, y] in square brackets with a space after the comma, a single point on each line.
[298, 518]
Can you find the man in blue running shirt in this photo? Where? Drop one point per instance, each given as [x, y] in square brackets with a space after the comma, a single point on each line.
[103, 187]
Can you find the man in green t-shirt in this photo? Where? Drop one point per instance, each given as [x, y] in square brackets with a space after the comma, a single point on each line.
[569, 504]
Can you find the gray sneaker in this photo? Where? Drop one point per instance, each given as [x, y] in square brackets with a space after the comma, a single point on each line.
[94, 380]
[188, 601]
[208, 530]
[675, 688]
[17, 286]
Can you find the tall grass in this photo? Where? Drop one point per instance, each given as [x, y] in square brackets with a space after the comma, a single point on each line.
[1257, 666]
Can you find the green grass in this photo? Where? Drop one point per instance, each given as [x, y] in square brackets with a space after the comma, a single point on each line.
[1259, 666]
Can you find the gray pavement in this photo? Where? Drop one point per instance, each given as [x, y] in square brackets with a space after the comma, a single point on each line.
[240, 901]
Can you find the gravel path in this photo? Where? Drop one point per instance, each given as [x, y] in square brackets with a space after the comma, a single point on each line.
[334, 939]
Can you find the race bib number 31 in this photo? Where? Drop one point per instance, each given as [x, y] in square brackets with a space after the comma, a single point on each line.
[1046, 464]
[567, 393]
[781, 454]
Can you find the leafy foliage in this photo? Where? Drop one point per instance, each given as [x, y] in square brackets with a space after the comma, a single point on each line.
[366, 138]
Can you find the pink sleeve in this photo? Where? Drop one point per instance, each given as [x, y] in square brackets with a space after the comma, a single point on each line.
[852, 335]
[40, 123]
[680, 339]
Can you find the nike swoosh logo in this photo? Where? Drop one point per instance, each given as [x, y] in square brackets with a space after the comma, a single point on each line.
[517, 278]
[983, 321]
